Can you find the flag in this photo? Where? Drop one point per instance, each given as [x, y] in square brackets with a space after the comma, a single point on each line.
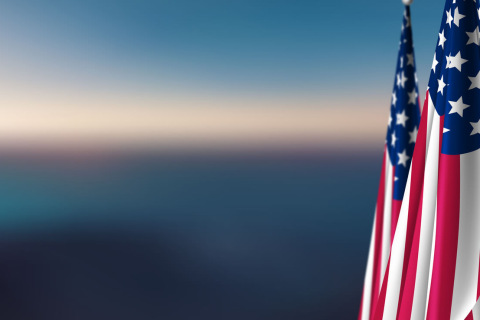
[400, 142]
[433, 270]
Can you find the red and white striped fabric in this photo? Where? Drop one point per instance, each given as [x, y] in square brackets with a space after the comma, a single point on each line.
[475, 313]
[399, 146]
[433, 272]
[380, 240]
[433, 269]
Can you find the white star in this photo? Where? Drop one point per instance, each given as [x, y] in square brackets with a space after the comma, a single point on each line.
[456, 61]
[401, 62]
[449, 18]
[410, 61]
[406, 17]
[394, 98]
[458, 106]
[413, 135]
[403, 158]
[448, 58]
[474, 37]
[402, 119]
[403, 79]
[458, 17]
[399, 79]
[396, 178]
[475, 81]
[412, 97]
[394, 139]
[445, 130]
[441, 85]
[390, 119]
[435, 62]
[442, 39]
[476, 128]
[479, 13]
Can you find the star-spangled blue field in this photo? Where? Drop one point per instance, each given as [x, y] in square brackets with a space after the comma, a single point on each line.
[194, 159]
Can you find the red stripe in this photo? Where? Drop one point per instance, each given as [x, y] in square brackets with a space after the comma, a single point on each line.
[470, 316]
[377, 312]
[421, 143]
[411, 226]
[446, 240]
[408, 287]
[418, 168]
[377, 256]
[412, 239]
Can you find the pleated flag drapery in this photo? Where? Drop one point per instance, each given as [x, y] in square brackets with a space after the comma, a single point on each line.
[433, 268]
[400, 142]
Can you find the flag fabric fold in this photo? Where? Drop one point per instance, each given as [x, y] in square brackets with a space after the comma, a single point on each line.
[475, 313]
[399, 145]
[433, 269]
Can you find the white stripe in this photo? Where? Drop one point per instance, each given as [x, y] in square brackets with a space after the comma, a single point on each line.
[396, 259]
[398, 246]
[432, 256]
[466, 268]
[387, 216]
[367, 289]
[429, 203]
[432, 251]
[431, 112]
[476, 311]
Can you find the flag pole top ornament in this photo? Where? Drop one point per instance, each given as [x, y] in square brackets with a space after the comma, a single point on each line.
[407, 2]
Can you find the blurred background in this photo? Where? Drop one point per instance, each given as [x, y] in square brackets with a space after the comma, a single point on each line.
[181, 159]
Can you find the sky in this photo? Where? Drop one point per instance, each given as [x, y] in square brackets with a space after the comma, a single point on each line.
[196, 74]
[103, 61]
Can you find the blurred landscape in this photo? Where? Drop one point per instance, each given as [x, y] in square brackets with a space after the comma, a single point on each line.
[158, 235]
[183, 159]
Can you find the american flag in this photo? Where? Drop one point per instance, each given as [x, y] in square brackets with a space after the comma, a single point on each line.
[401, 135]
[433, 270]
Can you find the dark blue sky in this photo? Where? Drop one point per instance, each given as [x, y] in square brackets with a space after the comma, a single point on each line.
[233, 46]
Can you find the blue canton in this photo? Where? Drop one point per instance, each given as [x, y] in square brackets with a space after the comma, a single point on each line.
[454, 84]
[404, 112]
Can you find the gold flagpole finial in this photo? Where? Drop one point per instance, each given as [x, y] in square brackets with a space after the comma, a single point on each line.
[407, 2]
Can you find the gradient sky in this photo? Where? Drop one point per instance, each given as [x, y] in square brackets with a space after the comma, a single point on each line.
[192, 54]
